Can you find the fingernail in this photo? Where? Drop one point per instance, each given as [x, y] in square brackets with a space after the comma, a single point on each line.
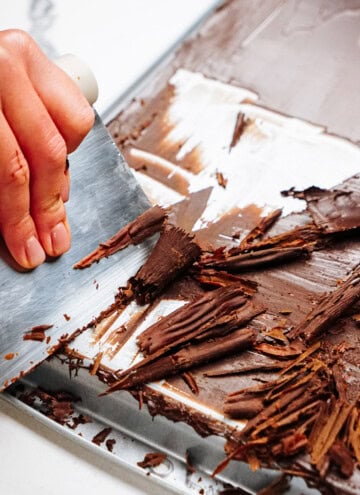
[34, 252]
[60, 239]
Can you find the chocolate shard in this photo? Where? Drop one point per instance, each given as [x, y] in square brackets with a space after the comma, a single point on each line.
[263, 226]
[335, 210]
[184, 359]
[135, 232]
[174, 252]
[331, 307]
[219, 307]
[257, 258]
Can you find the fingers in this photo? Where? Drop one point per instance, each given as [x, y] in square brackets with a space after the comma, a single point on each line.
[69, 109]
[46, 164]
[16, 224]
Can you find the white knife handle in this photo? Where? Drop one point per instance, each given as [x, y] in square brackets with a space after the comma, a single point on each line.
[81, 74]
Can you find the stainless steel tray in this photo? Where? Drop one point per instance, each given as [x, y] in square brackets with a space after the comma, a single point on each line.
[135, 432]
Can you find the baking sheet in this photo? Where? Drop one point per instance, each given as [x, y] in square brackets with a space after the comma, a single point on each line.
[279, 152]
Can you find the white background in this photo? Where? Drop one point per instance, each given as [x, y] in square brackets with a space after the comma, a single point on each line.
[120, 39]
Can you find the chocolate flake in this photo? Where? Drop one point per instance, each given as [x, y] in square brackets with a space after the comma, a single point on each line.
[144, 226]
[263, 226]
[101, 436]
[37, 333]
[110, 444]
[239, 128]
[152, 459]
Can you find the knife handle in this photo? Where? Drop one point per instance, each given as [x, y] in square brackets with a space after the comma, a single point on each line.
[81, 74]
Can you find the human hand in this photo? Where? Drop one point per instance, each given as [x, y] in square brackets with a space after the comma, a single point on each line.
[43, 117]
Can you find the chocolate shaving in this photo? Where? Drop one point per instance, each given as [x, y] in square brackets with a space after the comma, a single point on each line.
[101, 436]
[263, 226]
[135, 232]
[341, 456]
[190, 382]
[184, 359]
[152, 459]
[221, 179]
[256, 259]
[218, 278]
[239, 128]
[329, 309]
[174, 252]
[37, 333]
[222, 309]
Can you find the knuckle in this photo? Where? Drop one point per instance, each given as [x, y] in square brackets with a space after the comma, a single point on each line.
[50, 206]
[85, 118]
[56, 150]
[17, 173]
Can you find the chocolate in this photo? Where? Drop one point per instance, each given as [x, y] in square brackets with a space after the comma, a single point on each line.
[174, 252]
[152, 459]
[255, 259]
[188, 357]
[144, 226]
[263, 226]
[217, 311]
[101, 436]
[329, 309]
[335, 210]
[37, 333]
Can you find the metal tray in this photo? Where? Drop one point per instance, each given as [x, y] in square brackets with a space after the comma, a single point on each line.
[271, 140]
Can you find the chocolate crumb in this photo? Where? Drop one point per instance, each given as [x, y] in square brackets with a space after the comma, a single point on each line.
[152, 459]
[110, 444]
[101, 436]
[37, 333]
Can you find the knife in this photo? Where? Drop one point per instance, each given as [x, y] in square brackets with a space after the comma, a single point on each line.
[104, 197]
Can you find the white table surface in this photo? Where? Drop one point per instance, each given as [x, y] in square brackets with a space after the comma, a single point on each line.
[120, 39]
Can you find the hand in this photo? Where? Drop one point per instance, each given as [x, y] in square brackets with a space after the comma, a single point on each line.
[43, 117]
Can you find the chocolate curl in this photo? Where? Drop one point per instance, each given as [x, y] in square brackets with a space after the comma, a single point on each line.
[174, 252]
[243, 408]
[184, 359]
[144, 226]
[217, 278]
[212, 310]
[258, 259]
[330, 308]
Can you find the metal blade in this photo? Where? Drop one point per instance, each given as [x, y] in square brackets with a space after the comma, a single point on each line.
[104, 196]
